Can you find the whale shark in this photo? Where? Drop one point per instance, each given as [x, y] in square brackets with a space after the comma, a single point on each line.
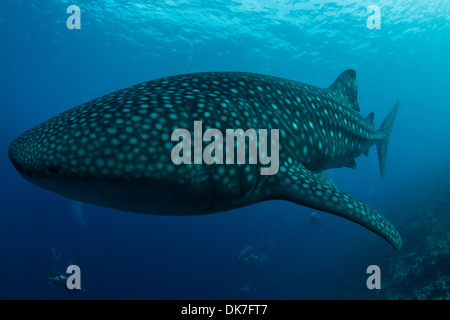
[115, 151]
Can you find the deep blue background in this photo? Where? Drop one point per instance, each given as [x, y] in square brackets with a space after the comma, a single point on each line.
[46, 68]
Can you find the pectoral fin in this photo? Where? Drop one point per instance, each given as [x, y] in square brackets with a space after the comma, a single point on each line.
[314, 190]
[352, 164]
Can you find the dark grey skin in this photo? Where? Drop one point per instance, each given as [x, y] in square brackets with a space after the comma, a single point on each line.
[115, 151]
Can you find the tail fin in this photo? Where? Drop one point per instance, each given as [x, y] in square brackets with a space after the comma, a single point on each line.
[382, 145]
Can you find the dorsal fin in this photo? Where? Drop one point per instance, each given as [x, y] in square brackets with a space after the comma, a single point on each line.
[345, 89]
[370, 119]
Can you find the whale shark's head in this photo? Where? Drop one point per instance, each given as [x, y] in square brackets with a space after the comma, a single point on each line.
[54, 156]
[113, 151]
[32, 155]
[88, 152]
[93, 163]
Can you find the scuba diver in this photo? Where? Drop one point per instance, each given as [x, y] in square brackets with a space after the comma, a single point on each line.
[247, 255]
[250, 254]
[56, 280]
[314, 219]
[252, 258]
[59, 280]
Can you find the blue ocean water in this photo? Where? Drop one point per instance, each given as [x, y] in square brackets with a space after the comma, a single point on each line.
[46, 68]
